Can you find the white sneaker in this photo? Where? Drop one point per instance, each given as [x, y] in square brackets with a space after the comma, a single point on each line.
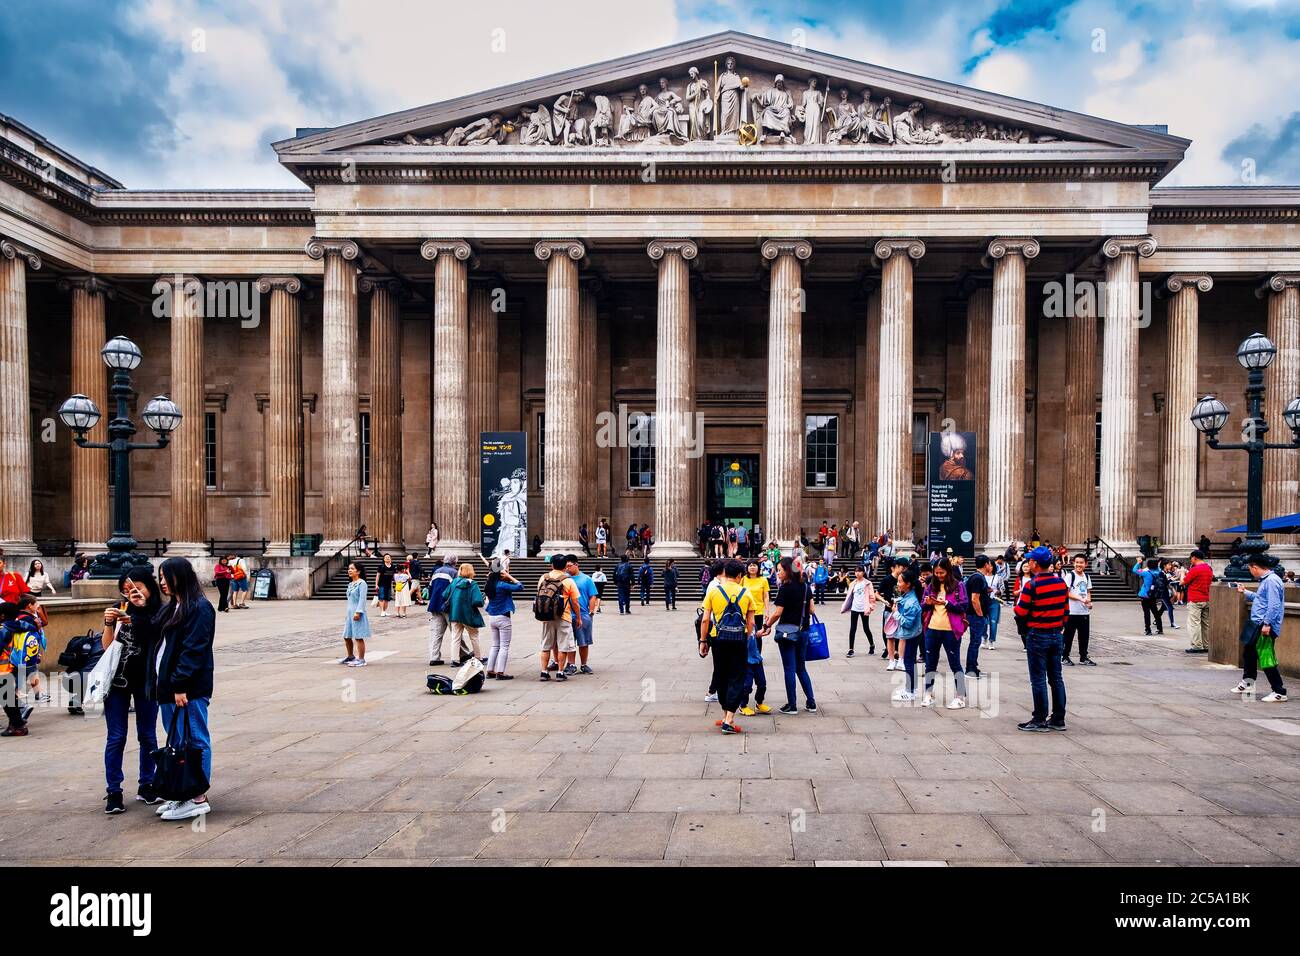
[1242, 687]
[956, 704]
[187, 810]
[359, 662]
[1274, 698]
[711, 698]
[165, 806]
[929, 701]
[903, 695]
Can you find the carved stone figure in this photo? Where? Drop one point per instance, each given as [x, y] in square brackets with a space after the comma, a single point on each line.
[539, 131]
[730, 92]
[699, 106]
[810, 112]
[602, 124]
[669, 120]
[775, 111]
[907, 125]
[565, 124]
[639, 121]
[486, 131]
[846, 125]
[874, 121]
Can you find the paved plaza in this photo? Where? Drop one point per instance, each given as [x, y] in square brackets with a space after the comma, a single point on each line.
[317, 764]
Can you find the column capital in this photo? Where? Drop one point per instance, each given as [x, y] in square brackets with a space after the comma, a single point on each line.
[1193, 280]
[373, 283]
[1013, 245]
[11, 249]
[1114, 247]
[432, 248]
[686, 248]
[289, 284]
[86, 283]
[912, 248]
[318, 248]
[1278, 282]
[573, 248]
[799, 248]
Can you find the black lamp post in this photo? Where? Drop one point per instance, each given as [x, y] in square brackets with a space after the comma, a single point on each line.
[1255, 354]
[80, 414]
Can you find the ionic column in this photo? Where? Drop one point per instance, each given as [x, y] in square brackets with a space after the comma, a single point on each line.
[589, 291]
[1079, 482]
[561, 496]
[674, 398]
[15, 403]
[189, 498]
[866, 411]
[342, 485]
[1179, 531]
[284, 457]
[1281, 384]
[979, 344]
[1119, 405]
[451, 505]
[785, 425]
[1006, 451]
[90, 518]
[385, 522]
[483, 397]
[894, 456]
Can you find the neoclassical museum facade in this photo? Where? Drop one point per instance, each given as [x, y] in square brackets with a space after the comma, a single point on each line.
[799, 287]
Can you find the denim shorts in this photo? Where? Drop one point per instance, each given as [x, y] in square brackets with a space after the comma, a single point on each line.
[582, 634]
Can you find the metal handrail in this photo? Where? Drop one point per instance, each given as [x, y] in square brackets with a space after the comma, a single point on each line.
[331, 566]
[235, 545]
[1118, 561]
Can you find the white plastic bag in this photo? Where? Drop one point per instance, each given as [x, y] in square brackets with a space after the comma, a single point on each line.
[100, 680]
[466, 673]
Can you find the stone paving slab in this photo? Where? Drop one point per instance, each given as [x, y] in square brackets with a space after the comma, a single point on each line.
[317, 766]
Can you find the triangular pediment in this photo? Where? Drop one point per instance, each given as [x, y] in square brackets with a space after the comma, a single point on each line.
[720, 92]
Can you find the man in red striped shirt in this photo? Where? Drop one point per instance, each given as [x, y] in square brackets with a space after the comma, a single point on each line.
[1040, 614]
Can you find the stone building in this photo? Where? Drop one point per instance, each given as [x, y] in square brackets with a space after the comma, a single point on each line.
[693, 233]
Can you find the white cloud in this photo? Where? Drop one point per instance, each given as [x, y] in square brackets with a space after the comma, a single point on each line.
[1007, 73]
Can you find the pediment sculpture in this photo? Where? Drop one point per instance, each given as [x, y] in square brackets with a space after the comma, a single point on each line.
[725, 109]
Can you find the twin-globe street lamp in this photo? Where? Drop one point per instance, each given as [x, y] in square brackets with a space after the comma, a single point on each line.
[1255, 354]
[80, 414]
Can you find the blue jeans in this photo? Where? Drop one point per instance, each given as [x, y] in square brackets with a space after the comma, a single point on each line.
[198, 708]
[793, 644]
[624, 599]
[995, 615]
[1044, 653]
[116, 715]
[645, 593]
[951, 644]
[670, 596]
[975, 635]
[910, 646]
[819, 592]
[757, 678]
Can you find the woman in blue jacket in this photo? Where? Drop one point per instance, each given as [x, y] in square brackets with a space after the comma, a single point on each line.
[500, 589]
[463, 617]
[356, 626]
[179, 674]
[907, 611]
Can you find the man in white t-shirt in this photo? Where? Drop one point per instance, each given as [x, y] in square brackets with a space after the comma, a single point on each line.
[1080, 617]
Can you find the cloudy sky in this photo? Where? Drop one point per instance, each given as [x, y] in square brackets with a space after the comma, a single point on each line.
[178, 93]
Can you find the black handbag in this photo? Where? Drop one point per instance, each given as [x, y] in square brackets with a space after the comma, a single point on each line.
[179, 774]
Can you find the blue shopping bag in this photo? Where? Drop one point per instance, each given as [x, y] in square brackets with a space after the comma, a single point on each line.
[755, 657]
[817, 647]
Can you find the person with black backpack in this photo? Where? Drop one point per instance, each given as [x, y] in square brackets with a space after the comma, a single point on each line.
[725, 629]
[556, 606]
[623, 581]
[645, 577]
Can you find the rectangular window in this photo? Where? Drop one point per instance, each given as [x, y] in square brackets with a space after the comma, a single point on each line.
[920, 444]
[1096, 470]
[541, 449]
[821, 451]
[210, 449]
[364, 426]
[641, 451]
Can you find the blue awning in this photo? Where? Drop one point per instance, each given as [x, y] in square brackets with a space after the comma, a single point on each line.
[1286, 524]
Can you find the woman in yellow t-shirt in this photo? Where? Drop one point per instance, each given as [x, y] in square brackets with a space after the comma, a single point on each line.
[758, 586]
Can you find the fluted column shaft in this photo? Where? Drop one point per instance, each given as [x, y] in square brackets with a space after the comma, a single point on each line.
[483, 399]
[451, 505]
[587, 402]
[385, 414]
[894, 457]
[342, 485]
[979, 344]
[1281, 384]
[189, 500]
[90, 517]
[284, 451]
[870, 412]
[1119, 407]
[1179, 473]
[1079, 483]
[562, 508]
[785, 424]
[15, 402]
[1006, 451]
[674, 399]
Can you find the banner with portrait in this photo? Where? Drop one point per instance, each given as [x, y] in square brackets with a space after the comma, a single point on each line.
[950, 474]
[503, 493]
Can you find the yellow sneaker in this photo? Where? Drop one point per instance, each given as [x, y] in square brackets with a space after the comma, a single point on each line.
[747, 711]
[762, 709]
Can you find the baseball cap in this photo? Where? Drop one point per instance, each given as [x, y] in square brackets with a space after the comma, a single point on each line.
[1040, 554]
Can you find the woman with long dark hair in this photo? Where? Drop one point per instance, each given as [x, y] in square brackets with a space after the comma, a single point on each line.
[131, 624]
[179, 671]
[943, 608]
[791, 611]
[222, 575]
